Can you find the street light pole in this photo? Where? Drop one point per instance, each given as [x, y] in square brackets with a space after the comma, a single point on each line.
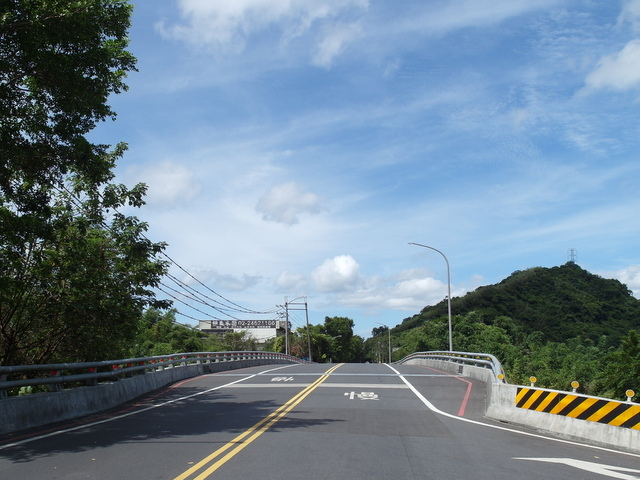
[286, 326]
[306, 314]
[448, 288]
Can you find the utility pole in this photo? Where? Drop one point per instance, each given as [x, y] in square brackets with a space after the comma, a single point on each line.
[306, 311]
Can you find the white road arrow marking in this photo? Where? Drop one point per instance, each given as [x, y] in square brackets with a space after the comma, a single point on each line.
[606, 470]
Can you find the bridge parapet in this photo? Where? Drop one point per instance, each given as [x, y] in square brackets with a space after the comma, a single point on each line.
[103, 385]
[585, 418]
[484, 366]
[594, 420]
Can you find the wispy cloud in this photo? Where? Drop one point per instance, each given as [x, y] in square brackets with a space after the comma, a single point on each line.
[618, 71]
[227, 27]
[296, 147]
[286, 202]
[169, 184]
[212, 277]
[630, 14]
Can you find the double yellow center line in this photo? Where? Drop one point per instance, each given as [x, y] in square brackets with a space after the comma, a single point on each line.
[228, 451]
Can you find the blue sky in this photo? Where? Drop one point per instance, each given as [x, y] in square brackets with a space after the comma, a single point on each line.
[295, 147]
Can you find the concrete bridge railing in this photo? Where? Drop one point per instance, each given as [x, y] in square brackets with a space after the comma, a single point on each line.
[593, 420]
[96, 386]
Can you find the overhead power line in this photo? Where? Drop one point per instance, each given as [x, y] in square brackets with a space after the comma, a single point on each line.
[193, 294]
[239, 308]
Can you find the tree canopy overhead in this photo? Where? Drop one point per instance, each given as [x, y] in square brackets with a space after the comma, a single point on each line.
[60, 60]
[75, 273]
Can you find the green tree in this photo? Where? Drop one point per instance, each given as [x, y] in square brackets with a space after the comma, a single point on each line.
[78, 293]
[160, 334]
[239, 341]
[339, 331]
[621, 371]
[60, 60]
[276, 344]
[75, 274]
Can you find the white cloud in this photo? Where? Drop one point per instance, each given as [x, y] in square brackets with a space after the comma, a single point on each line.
[284, 203]
[630, 276]
[232, 282]
[291, 282]
[228, 26]
[631, 14]
[336, 274]
[421, 288]
[334, 43]
[225, 281]
[619, 71]
[409, 290]
[169, 184]
[446, 17]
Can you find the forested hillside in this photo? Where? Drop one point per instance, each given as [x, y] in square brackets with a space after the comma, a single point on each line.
[559, 324]
[560, 302]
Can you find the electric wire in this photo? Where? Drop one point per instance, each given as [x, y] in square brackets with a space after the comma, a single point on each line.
[194, 295]
[223, 309]
[239, 307]
[197, 294]
[190, 306]
[181, 300]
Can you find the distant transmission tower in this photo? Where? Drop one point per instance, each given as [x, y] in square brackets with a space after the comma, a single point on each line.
[572, 254]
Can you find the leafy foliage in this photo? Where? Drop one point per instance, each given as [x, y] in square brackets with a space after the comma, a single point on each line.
[77, 293]
[561, 302]
[622, 368]
[59, 62]
[332, 341]
[559, 324]
[159, 334]
[75, 273]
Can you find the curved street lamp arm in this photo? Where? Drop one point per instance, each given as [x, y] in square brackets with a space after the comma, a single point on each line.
[448, 288]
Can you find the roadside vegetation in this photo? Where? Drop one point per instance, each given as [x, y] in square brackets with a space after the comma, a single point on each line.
[559, 324]
[76, 274]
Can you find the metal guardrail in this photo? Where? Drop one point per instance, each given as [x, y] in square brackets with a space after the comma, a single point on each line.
[90, 373]
[484, 360]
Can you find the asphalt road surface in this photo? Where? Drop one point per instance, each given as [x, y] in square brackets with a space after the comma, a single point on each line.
[315, 421]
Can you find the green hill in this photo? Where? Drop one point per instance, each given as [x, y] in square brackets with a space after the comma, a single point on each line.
[561, 302]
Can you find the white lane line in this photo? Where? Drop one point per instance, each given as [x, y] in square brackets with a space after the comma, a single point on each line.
[374, 386]
[432, 407]
[135, 412]
[354, 375]
[604, 470]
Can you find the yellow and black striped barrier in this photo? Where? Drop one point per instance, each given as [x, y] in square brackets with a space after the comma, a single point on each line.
[592, 409]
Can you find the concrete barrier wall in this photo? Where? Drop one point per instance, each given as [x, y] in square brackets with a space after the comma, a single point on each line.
[501, 405]
[35, 410]
[479, 373]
